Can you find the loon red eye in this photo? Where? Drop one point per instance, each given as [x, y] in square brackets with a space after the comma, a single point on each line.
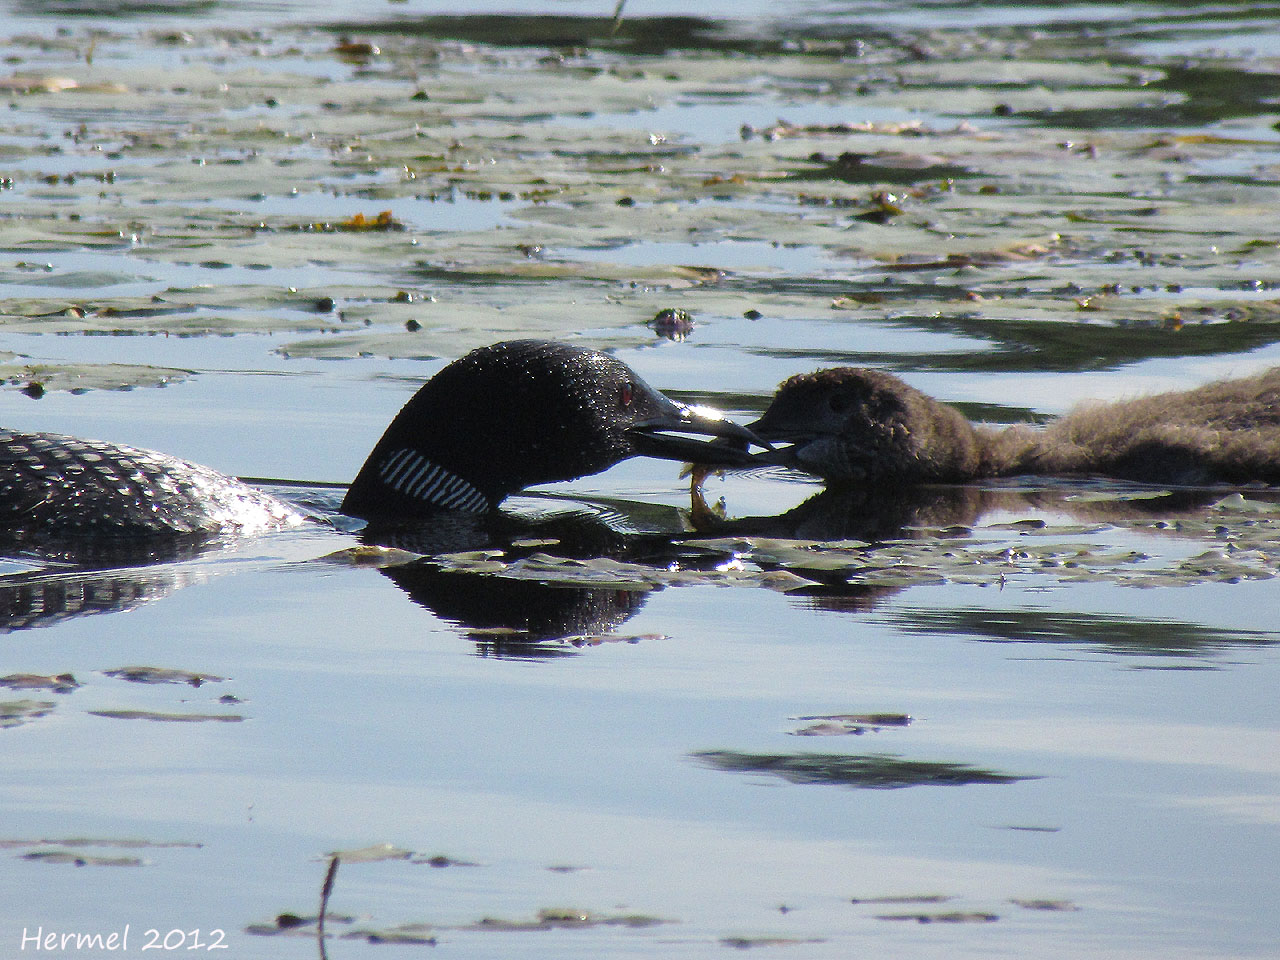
[625, 396]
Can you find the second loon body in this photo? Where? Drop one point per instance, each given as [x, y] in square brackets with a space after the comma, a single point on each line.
[499, 419]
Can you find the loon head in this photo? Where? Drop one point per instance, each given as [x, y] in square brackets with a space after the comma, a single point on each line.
[523, 412]
[852, 425]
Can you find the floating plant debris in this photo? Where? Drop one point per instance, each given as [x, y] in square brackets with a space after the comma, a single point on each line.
[14, 713]
[61, 683]
[162, 717]
[162, 675]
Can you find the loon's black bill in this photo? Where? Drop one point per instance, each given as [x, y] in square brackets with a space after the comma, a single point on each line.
[667, 435]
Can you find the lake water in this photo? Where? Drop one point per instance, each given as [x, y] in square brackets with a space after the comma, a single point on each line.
[1019, 719]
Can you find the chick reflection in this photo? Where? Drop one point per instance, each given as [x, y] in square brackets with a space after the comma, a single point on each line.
[879, 514]
[869, 529]
[861, 513]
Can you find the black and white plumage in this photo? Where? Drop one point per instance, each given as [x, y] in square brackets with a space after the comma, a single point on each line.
[53, 486]
[499, 419]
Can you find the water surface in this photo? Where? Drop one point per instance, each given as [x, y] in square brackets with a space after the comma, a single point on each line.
[1023, 718]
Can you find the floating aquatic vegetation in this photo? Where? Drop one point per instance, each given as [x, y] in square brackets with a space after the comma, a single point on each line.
[70, 850]
[1046, 906]
[36, 379]
[81, 859]
[408, 933]
[14, 713]
[841, 724]
[568, 150]
[955, 916]
[162, 717]
[747, 943]
[371, 854]
[367, 555]
[1076, 533]
[127, 842]
[552, 918]
[59, 683]
[162, 675]
[295, 925]
[440, 861]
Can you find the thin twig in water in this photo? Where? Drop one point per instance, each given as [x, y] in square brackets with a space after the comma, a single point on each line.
[325, 891]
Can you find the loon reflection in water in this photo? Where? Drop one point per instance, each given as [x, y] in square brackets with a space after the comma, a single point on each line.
[849, 425]
[499, 419]
[514, 617]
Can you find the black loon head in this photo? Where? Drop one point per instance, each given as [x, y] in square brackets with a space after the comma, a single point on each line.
[523, 412]
[849, 424]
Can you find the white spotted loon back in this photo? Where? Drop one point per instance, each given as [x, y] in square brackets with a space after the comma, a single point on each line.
[56, 487]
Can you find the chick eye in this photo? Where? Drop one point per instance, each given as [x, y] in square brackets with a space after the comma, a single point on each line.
[838, 403]
[624, 395]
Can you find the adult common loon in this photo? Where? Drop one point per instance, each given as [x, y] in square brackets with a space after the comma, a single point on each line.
[491, 423]
[852, 425]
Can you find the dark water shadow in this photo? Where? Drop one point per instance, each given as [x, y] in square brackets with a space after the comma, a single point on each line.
[1106, 633]
[874, 771]
[1028, 345]
[866, 169]
[1204, 96]
[1018, 346]
[651, 35]
[125, 10]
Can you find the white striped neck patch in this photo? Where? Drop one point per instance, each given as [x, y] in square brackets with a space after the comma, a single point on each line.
[412, 474]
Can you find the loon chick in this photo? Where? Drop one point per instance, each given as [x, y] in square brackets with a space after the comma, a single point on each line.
[501, 418]
[865, 426]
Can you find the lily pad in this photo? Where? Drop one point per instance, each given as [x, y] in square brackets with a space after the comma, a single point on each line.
[1046, 906]
[954, 916]
[843, 724]
[372, 854]
[161, 717]
[415, 934]
[747, 943]
[14, 713]
[552, 918]
[80, 859]
[162, 675]
[35, 379]
[61, 683]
